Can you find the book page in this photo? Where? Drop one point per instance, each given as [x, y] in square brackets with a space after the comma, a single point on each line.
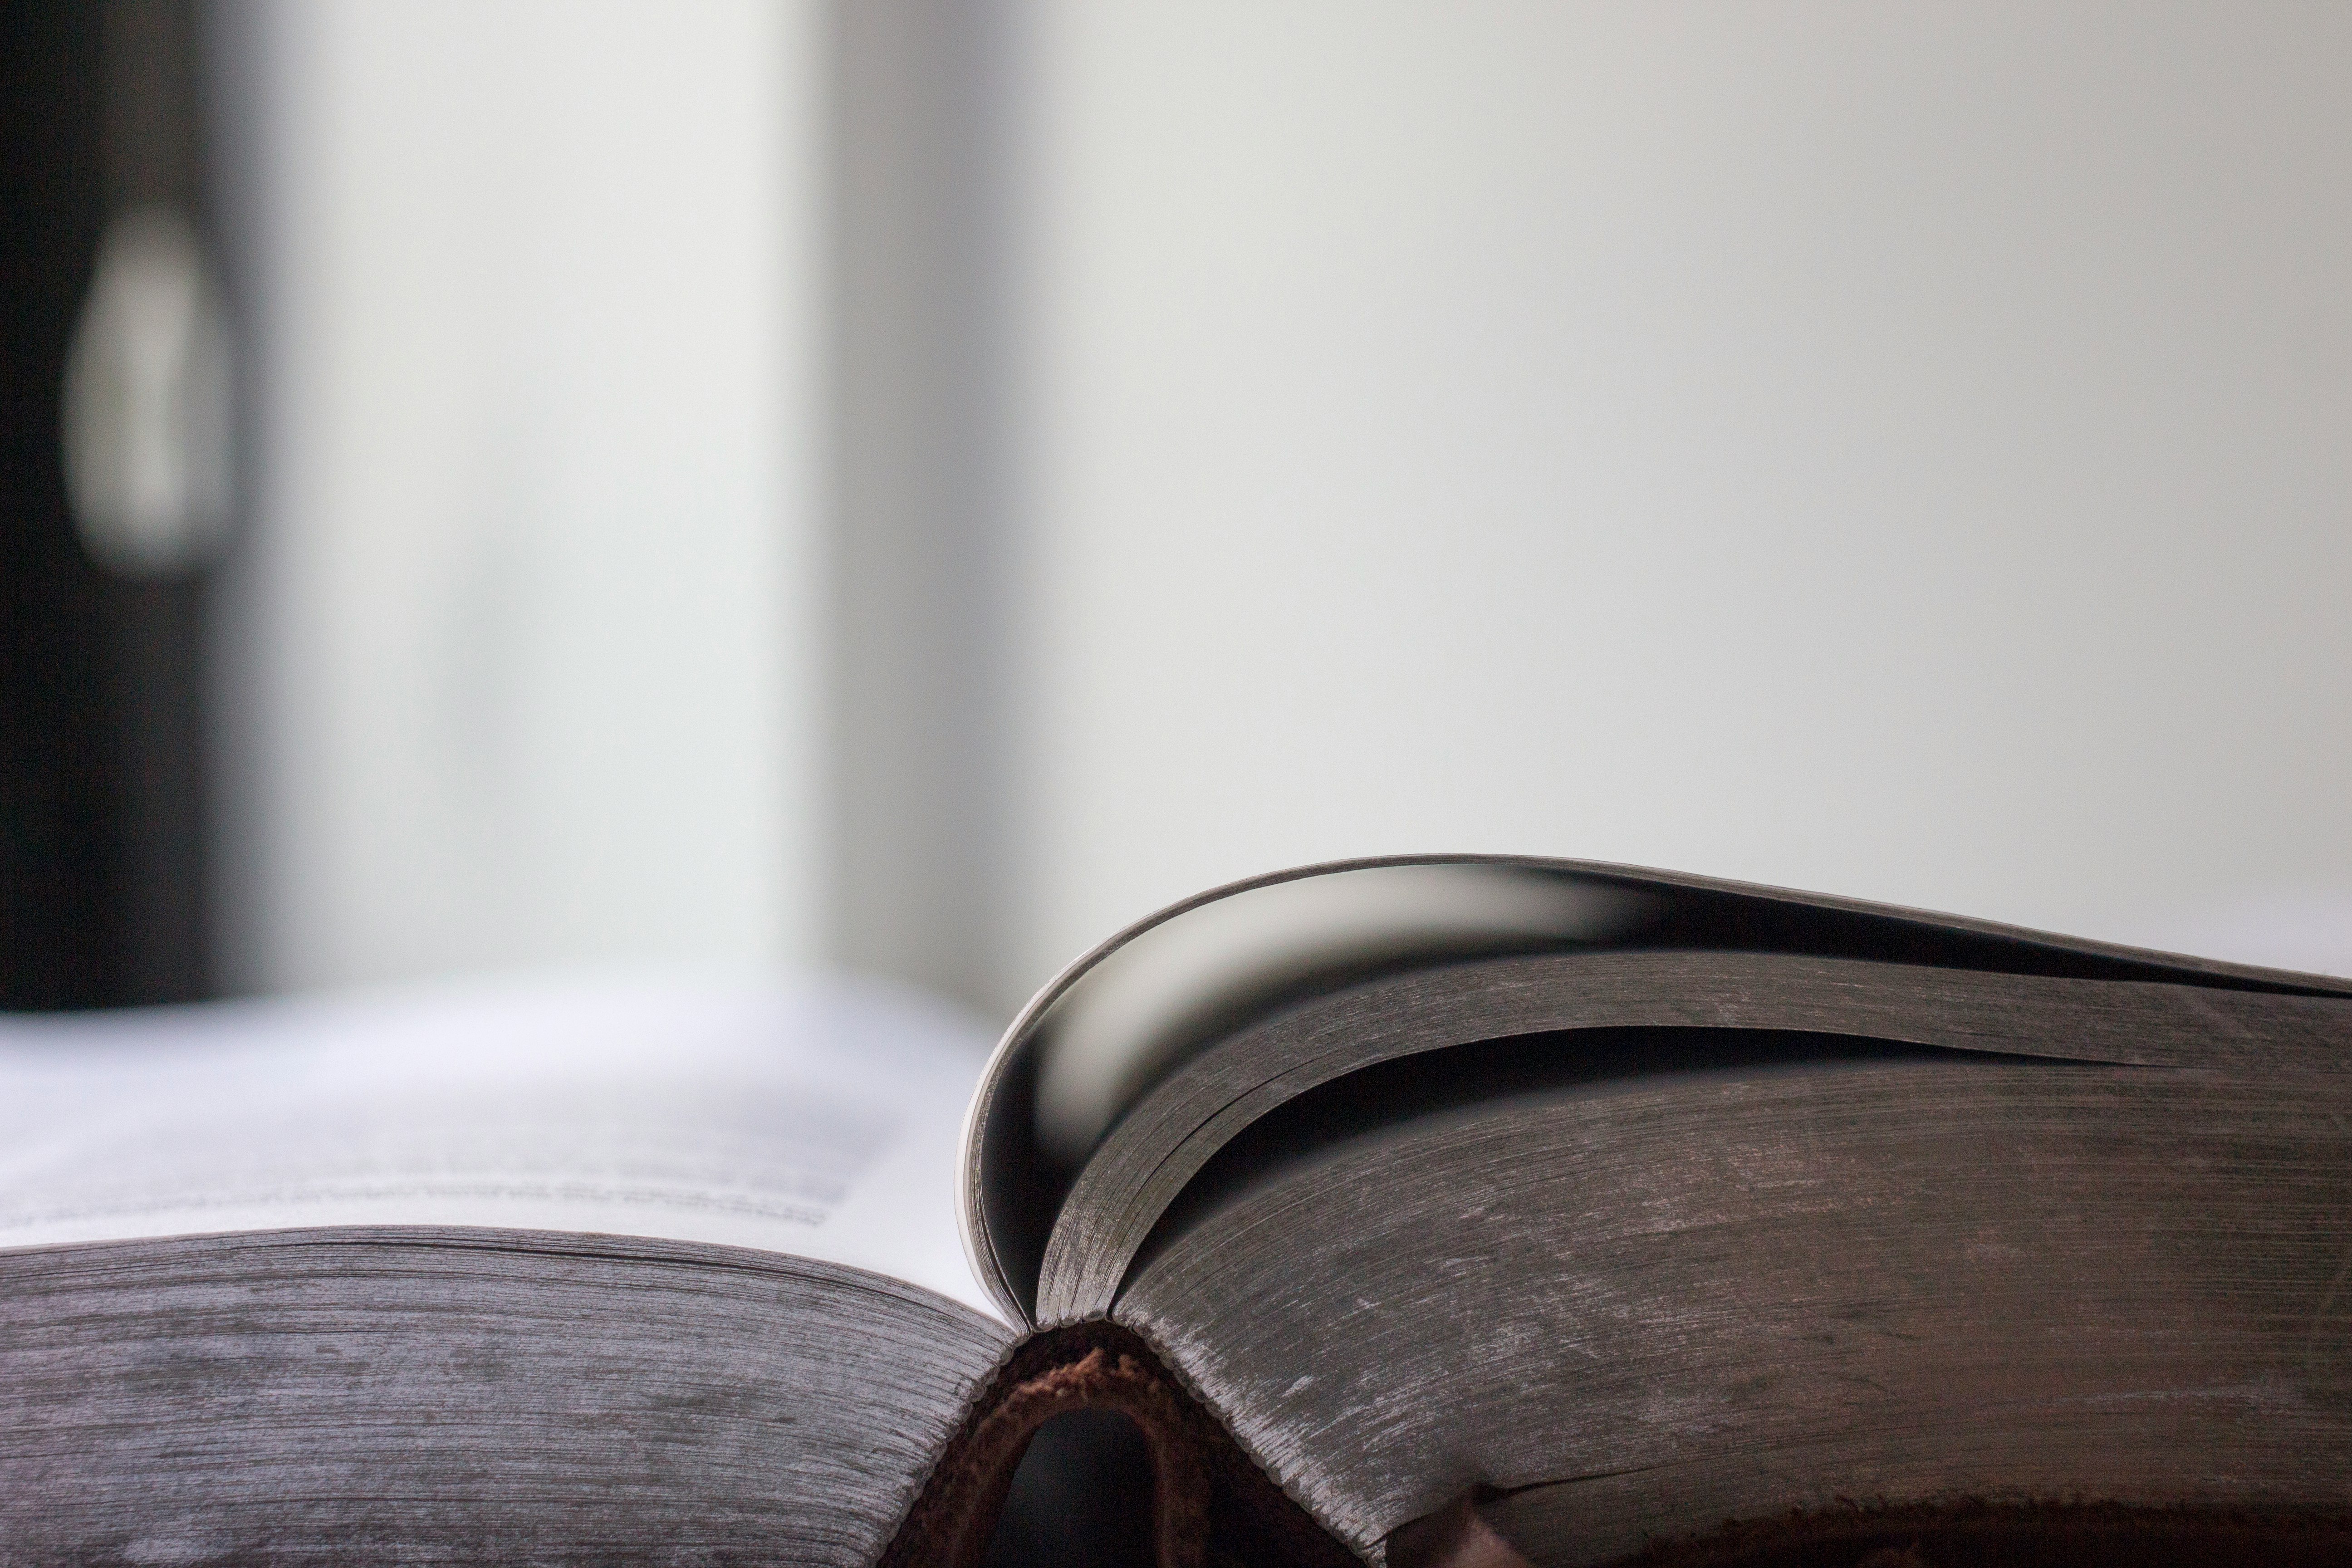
[819, 1120]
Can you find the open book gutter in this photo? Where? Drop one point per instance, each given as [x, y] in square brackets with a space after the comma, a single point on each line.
[1444, 1209]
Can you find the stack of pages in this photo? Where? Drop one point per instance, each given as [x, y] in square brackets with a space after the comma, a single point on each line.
[1450, 1210]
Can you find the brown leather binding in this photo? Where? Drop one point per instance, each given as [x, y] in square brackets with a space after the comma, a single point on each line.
[1211, 1507]
[2021, 1535]
[1955, 1535]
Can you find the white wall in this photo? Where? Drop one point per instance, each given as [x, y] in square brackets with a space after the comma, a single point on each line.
[1895, 450]
[524, 661]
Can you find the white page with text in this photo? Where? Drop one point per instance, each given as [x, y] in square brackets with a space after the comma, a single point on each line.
[817, 1118]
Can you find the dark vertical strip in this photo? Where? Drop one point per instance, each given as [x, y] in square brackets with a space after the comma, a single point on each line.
[58, 947]
[921, 869]
[101, 801]
[152, 147]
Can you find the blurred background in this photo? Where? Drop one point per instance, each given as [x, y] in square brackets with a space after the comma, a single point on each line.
[916, 485]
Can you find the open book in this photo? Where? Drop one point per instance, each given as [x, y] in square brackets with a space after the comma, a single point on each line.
[1447, 1210]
